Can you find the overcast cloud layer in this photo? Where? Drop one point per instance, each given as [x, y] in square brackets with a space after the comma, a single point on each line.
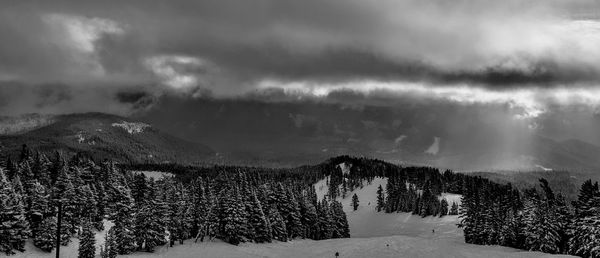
[522, 52]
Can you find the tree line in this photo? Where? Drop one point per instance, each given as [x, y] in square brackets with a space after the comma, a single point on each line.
[234, 204]
[535, 219]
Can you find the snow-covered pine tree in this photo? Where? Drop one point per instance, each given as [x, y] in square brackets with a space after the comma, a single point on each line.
[586, 227]
[443, 210]
[14, 229]
[308, 212]
[278, 228]
[18, 187]
[25, 154]
[86, 203]
[123, 219]
[11, 168]
[380, 199]
[28, 178]
[210, 226]
[470, 215]
[139, 187]
[38, 206]
[453, 209]
[58, 164]
[181, 222]
[149, 229]
[340, 226]
[101, 206]
[392, 195]
[355, 202]
[259, 222]
[325, 221]
[40, 169]
[63, 191]
[234, 217]
[45, 235]
[87, 242]
[541, 228]
[564, 218]
[110, 245]
[294, 223]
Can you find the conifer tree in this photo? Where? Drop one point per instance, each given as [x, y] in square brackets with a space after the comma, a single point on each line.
[453, 209]
[38, 205]
[325, 221]
[340, 223]
[309, 215]
[443, 210]
[380, 199]
[14, 229]
[87, 242]
[40, 169]
[278, 228]
[110, 245]
[586, 227]
[259, 222]
[235, 218]
[355, 201]
[293, 223]
[25, 153]
[209, 224]
[11, 169]
[45, 236]
[123, 219]
[149, 227]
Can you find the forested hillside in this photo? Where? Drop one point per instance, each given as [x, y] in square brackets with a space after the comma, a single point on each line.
[233, 204]
[252, 204]
[105, 136]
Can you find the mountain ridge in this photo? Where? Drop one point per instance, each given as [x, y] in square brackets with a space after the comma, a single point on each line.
[106, 136]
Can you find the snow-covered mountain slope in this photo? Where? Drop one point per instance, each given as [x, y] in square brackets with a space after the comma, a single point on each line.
[107, 136]
[367, 222]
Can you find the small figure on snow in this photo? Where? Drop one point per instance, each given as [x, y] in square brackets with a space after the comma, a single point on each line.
[337, 254]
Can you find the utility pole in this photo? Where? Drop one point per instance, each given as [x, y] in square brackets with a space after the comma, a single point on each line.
[58, 228]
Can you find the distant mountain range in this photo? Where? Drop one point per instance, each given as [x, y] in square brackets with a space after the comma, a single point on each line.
[301, 132]
[100, 135]
[295, 133]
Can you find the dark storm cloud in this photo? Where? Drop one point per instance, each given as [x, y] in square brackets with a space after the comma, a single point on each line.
[233, 48]
[464, 41]
[18, 98]
[131, 96]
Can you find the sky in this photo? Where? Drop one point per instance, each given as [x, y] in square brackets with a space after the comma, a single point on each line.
[537, 56]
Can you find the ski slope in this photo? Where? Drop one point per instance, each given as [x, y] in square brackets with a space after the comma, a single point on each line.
[380, 247]
[367, 222]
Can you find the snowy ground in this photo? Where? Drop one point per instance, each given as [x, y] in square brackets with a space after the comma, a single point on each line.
[65, 251]
[381, 247]
[154, 174]
[366, 222]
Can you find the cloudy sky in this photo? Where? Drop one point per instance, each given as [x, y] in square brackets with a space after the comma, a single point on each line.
[72, 56]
